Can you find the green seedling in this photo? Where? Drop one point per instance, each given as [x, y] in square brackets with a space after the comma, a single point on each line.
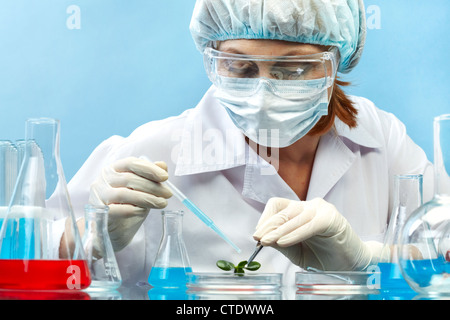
[239, 269]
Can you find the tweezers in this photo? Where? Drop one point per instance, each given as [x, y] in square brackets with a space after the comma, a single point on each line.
[259, 246]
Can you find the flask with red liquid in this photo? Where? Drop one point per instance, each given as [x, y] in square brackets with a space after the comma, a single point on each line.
[40, 245]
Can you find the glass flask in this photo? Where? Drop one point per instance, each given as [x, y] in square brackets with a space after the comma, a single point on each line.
[424, 239]
[172, 262]
[105, 273]
[407, 198]
[20, 146]
[40, 246]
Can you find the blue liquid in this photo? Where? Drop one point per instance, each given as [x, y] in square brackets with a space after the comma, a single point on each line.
[159, 293]
[421, 271]
[394, 286]
[168, 277]
[19, 240]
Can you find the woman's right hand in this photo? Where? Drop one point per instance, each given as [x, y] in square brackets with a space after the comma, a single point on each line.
[130, 187]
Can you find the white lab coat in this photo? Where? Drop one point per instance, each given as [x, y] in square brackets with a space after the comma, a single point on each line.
[209, 161]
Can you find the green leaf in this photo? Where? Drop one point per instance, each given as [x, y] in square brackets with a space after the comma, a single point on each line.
[253, 266]
[239, 269]
[225, 265]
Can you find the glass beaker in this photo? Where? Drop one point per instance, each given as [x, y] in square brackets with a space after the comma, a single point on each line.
[423, 244]
[105, 273]
[33, 254]
[407, 198]
[8, 176]
[172, 262]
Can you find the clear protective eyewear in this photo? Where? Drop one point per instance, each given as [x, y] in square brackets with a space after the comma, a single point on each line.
[284, 74]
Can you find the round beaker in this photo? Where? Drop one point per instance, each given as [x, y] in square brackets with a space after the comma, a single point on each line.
[423, 244]
[172, 262]
[100, 255]
[33, 254]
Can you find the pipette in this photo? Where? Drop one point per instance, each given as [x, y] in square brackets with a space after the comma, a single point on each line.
[202, 216]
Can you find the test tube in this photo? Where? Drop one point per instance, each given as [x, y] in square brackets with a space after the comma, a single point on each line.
[8, 171]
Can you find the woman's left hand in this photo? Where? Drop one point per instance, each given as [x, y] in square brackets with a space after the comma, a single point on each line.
[314, 234]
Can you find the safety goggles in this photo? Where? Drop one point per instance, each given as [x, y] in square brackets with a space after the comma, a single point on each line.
[286, 74]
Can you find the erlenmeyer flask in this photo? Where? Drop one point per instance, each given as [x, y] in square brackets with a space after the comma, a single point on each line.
[407, 198]
[423, 244]
[172, 262]
[102, 262]
[33, 254]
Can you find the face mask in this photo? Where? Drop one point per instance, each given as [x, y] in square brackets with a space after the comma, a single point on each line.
[278, 112]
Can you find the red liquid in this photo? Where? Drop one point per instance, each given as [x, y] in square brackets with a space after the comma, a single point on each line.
[44, 274]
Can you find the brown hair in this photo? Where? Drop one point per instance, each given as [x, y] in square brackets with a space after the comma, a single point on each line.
[340, 106]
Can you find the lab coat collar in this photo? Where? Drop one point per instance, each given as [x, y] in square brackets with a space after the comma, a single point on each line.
[333, 159]
[209, 140]
[359, 135]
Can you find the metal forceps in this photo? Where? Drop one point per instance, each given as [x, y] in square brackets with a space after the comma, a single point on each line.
[259, 246]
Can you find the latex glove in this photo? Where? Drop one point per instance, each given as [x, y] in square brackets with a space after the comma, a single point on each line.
[314, 234]
[130, 187]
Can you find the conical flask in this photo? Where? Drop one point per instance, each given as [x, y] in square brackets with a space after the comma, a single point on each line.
[100, 256]
[407, 198]
[33, 254]
[423, 244]
[172, 262]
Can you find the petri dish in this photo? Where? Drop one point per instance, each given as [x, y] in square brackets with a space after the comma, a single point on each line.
[250, 283]
[341, 282]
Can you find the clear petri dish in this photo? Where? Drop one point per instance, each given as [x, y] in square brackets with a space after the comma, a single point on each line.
[257, 282]
[341, 282]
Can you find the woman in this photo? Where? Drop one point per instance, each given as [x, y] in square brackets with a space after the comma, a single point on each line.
[275, 134]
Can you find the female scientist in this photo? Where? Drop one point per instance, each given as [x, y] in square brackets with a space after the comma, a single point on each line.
[275, 151]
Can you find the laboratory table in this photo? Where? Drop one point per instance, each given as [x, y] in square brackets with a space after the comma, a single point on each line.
[143, 291]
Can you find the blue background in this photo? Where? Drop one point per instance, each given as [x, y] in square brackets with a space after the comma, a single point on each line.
[133, 61]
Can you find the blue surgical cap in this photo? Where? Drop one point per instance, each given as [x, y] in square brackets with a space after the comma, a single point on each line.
[339, 23]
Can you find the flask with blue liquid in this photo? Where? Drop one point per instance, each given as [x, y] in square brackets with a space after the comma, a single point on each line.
[172, 262]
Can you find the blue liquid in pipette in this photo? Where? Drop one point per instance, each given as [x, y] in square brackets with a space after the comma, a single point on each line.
[198, 212]
[168, 277]
[208, 222]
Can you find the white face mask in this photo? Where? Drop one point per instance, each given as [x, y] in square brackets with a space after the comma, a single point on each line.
[279, 112]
